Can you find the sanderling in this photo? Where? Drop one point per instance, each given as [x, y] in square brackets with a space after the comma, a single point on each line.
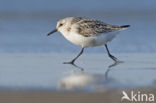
[87, 32]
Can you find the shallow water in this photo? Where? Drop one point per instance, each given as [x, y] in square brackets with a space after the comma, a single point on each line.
[30, 59]
[46, 71]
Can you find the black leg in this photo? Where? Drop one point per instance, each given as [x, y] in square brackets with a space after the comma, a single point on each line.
[72, 62]
[111, 56]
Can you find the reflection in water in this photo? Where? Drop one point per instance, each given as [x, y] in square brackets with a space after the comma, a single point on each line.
[78, 67]
[115, 64]
[80, 79]
[76, 80]
[110, 66]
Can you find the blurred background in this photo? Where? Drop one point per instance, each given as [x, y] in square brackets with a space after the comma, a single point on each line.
[29, 59]
[25, 23]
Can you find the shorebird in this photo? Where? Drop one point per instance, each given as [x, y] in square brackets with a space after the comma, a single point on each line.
[87, 32]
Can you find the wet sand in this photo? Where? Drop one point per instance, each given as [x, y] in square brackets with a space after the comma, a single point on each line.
[47, 71]
[38, 96]
[42, 78]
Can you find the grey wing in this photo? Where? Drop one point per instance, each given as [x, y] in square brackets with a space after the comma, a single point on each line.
[89, 27]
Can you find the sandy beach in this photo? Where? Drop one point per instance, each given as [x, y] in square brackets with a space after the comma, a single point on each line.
[31, 63]
[39, 96]
[37, 78]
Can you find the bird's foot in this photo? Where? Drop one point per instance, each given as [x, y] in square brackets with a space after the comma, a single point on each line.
[71, 62]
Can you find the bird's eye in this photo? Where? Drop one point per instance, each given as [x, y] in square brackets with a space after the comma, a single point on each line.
[61, 25]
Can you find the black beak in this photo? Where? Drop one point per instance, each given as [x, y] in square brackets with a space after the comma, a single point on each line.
[55, 30]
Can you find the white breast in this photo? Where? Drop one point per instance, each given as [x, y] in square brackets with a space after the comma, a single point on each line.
[79, 39]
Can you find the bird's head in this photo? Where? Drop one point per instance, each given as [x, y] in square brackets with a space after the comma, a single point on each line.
[61, 25]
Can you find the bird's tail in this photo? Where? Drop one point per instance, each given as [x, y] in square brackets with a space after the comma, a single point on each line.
[125, 26]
